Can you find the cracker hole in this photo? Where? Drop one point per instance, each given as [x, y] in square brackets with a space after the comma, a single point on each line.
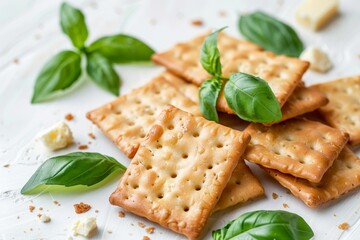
[173, 175]
[184, 155]
[219, 145]
[197, 187]
[237, 182]
[148, 167]
[171, 127]
[142, 135]
[131, 123]
[301, 161]
[135, 186]
[210, 167]
[159, 146]
[195, 134]
[118, 112]
[137, 101]
[186, 209]
[349, 166]
[160, 196]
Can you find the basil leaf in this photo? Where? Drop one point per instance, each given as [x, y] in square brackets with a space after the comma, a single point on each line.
[78, 168]
[208, 94]
[58, 74]
[121, 49]
[102, 73]
[259, 225]
[72, 23]
[210, 55]
[271, 34]
[252, 99]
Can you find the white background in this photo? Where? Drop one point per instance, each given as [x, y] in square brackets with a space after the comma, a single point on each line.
[30, 34]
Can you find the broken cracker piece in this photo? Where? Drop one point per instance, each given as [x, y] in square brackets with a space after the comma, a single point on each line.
[343, 109]
[180, 170]
[127, 119]
[299, 147]
[342, 177]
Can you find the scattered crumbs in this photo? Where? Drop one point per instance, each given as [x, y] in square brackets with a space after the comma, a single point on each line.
[89, 142]
[83, 147]
[222, 13]
[6, 165]
[197, 22]
[109, 231]
[285, 205]
[96, 211]
[121, 214]
[18, 217]
[31, 229]
[358, 55]
[153, 21]
[40, 208]
[56, 202]
[288, 192]
[31, 208]
[16, 60]
[81, 207]
[344, 226]
[132, 224]
[274, 196]
[150, 230]
[334, 215]
[142, 225]
[69, 117]
[39, 215]
[91, 135]
[69, 238]
[146, 238]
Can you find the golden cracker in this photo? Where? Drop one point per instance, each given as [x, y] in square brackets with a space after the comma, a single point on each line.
[299, 147]
[342, 177]
[127, 119]
[180, 170]
[343, 110]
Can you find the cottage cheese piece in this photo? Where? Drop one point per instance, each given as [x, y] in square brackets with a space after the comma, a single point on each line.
[314, 14]
[319, 60]
[57, 137]
[85, 227]
[45, 218]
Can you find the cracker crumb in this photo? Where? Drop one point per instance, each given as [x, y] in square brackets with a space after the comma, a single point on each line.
[132, 224]
[150, 230]
[83, 147]
[40, 208]
[121, 214]
[91, 135]
[16, 60]
[6, 165]
[81, 207]
[18, 217]
[153, 21]
[31, 208]
[69, 117]
[285, 205]
[197, 22]
[56, 202]
[142, 225]
[96, 211]
[146, 238]
[39, 215]
[44, 218]
[274, 196]
[222, 13]
[344, 226]
[109, 231]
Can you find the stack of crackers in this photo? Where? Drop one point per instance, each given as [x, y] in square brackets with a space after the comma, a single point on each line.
[185, 167]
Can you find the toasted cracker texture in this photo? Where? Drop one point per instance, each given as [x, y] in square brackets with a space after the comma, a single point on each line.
[127, 119]
[341, 178]
[343, 110]
[180, 171]
[299, 147]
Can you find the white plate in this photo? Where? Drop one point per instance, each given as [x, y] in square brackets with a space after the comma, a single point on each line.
[30, 33]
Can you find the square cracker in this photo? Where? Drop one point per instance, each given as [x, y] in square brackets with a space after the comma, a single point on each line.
[180, 170]
[127, 119]
[341, 178]
[299, 147]
[282, 73]
[243, 186]
[343, 110]
[184, 58]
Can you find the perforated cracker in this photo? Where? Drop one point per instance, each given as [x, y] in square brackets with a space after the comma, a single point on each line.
[343, 110]
[243, 186]
[127, 119]
[180, 170]
[341, 178]
[299, 147]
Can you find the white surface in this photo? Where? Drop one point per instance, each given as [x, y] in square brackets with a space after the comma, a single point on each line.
[30, 33]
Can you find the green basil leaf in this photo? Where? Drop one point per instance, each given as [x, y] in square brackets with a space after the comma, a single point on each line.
[102, 73]
[122, 49]
[208, 95]
[260, 225]
[271, 34]
[78, 168]
[72, 23]
[252, 99]
[210, 55]
[58, 74]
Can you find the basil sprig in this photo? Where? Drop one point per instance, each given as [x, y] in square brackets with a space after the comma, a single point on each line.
[78, 168]
[271, 34]
[248, 96]
[64, 70]
[259, 225]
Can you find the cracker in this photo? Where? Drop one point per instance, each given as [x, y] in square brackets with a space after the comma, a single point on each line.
[243, 186]
[343, 110]
[341, 178]
[127, 119]
[299, 147]
[184, 58]
[282, 73]
[180, 170]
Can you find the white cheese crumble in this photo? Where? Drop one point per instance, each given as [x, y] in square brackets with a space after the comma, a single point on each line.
[45, 218]
[319, 60]
[56, 137]
[85, 227]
